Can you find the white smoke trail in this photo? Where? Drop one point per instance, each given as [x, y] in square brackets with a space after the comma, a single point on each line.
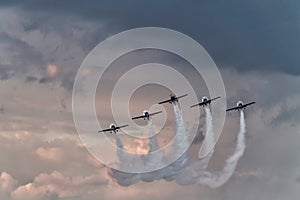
[209, 142]
[151, 161]
[156, 159]
[168, 173]
[181, 142]
[232, 161]
[123, 178]
[153, 144]
[217, 179]
[120, 151]
[181, 137]
[189, 175]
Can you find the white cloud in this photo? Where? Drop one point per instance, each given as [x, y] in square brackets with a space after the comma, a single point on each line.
[57, 185]
[53, 153]
[7, 182]
[25, 155]
[7, 185]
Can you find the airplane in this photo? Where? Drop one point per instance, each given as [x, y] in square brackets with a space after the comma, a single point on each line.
[241, 105]
[146, 115]
[172, 99]
[205, 101]
[113, 128]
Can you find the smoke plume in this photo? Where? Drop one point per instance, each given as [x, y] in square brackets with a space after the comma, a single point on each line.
[168, 173]
[195, 173]
[217, 179]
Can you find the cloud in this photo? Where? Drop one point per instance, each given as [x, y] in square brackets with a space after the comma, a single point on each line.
[50, 186]
[54, 154]
[48, 51]
[249, 35]
[52, 70]
[46, 169]
[7, 185]
[16, 56]
[32, 155]
[255, 44]
[7, 182]
[256, 173]
[55, 185]
[31, 79]
[288, 114]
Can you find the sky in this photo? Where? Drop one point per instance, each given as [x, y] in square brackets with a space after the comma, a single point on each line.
[254, 43]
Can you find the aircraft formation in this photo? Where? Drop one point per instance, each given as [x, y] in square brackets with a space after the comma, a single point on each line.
[205, 101]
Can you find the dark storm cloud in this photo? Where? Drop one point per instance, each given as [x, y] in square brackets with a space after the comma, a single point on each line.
[5, 72]
[248, 35]
[18, 57]
[31, 79]
[45, 80]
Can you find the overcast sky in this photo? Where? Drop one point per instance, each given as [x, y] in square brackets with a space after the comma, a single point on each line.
[255, 45]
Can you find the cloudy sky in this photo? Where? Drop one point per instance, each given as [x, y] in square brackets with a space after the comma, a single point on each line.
[255, 44]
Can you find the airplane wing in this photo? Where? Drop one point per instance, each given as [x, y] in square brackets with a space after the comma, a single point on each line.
[169, 100]
[182, 96]
[166, 101]
[248, 104]
[104, 130]
[234, 108]
[151, 114]
[138, 117]
[243, 106]
[198, 104]
[203, 103]
[215, 98]
[118, 127]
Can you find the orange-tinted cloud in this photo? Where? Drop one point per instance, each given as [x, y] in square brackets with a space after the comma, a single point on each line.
[52, 71]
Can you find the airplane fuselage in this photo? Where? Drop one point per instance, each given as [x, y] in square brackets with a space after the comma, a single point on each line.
[240, 105]
[173, 99]
[206, 102]
[113, 128]
[147, 115]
